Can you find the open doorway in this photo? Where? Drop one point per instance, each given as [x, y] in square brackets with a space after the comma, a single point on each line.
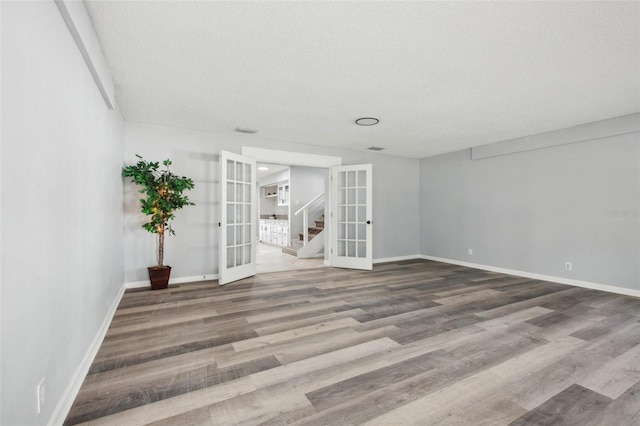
[289, 198]
[348, 236]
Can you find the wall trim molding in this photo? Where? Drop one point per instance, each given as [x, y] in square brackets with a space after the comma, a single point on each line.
[79, 24]
[180, 280]
[623, 125]
[71, 392]
[396, 258]
[560, 280]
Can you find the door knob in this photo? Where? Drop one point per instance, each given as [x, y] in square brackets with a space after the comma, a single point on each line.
[368, 222]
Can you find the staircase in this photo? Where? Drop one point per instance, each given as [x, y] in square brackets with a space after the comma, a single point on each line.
[311, 240]
[299, 243]
[313, 230]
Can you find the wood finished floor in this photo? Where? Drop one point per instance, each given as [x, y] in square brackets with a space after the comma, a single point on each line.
[416, 342]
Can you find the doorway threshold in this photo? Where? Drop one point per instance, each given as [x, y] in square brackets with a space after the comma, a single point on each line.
[270, 258]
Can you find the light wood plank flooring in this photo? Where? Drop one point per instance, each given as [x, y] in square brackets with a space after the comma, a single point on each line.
[270, 258]
[416, 342]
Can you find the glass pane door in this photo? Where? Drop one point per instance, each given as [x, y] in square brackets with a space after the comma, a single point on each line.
[351, 239]
[237, 245]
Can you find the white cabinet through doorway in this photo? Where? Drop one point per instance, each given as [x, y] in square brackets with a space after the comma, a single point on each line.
[274, 232]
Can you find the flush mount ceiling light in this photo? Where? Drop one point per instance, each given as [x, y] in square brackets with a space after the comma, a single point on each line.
[263, 168]
[367, 121]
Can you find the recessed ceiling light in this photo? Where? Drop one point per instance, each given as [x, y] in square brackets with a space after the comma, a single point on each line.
[249, 131]
[263, 168]
[375, 148]
[367, 121]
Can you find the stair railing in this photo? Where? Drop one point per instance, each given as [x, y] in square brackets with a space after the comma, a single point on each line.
[312, 206]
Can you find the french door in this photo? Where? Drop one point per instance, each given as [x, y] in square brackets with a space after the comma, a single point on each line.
[351, 228]
[237, 217]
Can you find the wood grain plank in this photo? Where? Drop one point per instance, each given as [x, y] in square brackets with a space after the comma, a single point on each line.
[444, 403]
[354, 387]
[624, 410]
[321, 363]
[573, 406]
[133, 395]
[533, 390]
[616, 376]
[283, 336]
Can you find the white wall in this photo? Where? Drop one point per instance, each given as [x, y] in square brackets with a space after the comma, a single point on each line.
[533, 211]
[62, 210]
[269, 206]
[193, 251]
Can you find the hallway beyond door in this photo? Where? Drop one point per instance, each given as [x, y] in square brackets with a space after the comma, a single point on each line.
[271, 259]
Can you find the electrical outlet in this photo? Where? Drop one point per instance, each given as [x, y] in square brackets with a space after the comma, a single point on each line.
[470, 251]
[40, 394]
[568, 266]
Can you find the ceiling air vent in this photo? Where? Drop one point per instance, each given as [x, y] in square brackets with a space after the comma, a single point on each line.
[375, 148]
[247, 131]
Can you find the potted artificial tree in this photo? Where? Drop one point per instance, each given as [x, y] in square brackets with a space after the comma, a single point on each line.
[163, 191]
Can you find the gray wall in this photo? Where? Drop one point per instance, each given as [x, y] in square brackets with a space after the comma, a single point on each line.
[532, 211]
[306, 184]
[193, 251]
[62, 263]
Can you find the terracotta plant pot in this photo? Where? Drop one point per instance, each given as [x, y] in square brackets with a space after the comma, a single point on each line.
[159, 277]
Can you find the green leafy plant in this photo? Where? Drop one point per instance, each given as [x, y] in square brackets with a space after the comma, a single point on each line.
[163, 191]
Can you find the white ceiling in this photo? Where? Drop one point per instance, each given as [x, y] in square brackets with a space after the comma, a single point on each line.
[440, 76]
[271, 170]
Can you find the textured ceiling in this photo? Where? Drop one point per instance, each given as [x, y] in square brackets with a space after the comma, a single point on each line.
[440, 76]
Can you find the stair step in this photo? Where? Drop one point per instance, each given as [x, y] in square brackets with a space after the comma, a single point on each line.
[293, 248]
[319, 223]
[313, 231]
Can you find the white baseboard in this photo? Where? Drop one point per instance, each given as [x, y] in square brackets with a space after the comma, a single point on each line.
[180, 280]
[550, 278]
[64, 405]
[396, 259]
